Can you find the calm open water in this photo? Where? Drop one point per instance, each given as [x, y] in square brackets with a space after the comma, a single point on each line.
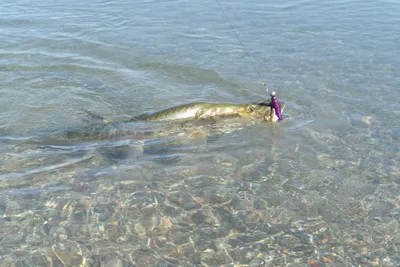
[320, 188]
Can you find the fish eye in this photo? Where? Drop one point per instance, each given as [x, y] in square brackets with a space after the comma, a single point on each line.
[250, 109]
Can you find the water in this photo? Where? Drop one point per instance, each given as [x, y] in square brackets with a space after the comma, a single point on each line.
[321, 187]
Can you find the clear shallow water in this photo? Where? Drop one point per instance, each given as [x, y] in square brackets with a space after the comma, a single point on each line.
[320, 187]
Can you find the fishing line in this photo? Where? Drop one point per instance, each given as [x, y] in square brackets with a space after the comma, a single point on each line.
[244, 48]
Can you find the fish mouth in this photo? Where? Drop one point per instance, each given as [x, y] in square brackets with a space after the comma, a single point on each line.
[268, 115]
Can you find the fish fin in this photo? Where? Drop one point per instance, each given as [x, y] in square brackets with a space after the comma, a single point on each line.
[94, 116]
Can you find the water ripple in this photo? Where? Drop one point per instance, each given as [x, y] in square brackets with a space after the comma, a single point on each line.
[303, 114]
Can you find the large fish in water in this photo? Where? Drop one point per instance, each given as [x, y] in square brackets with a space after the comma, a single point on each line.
[213, 111]
[150, 134]
[185, 121]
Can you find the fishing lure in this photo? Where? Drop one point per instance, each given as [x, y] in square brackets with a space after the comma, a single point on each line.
[276, 105]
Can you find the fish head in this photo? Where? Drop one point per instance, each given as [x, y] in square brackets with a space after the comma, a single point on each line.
[270, 115]
[255, 111]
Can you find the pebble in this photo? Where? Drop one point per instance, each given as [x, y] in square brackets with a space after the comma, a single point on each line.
[114, 262]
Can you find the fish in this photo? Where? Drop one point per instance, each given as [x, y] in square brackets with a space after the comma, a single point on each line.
[178, 119]
[212, 111]
[184, 121]
[155, 135]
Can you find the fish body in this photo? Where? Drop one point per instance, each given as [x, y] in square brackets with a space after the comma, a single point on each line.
[212, 111]
[183, 120]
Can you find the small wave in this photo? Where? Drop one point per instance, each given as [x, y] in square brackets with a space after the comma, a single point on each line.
[303, 114]
[188, 73]
[29, 193]
[19, 175]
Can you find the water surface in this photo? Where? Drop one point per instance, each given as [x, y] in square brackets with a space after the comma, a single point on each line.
[321, 187]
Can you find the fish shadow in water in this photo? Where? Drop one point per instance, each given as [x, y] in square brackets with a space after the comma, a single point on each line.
[162, 143]
[159, 151]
